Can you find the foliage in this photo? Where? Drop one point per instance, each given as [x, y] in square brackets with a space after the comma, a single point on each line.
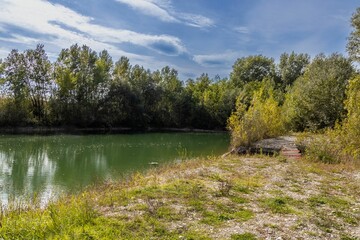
[252, 68]
[27, 81]
[353, 45]
[291, 67]
[341, 144]
[261, 120]
[82, 77]
[316, 100]
[350, 130]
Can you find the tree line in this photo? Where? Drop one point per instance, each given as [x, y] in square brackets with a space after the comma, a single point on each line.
[84, 88]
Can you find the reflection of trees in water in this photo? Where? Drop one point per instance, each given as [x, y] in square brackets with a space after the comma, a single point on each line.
[79, 161]
[35, 164]
[24, 166]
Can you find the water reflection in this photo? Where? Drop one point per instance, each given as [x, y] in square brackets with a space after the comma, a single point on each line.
[48, 165]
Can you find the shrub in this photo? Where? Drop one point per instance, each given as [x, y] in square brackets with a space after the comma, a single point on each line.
[261, 120]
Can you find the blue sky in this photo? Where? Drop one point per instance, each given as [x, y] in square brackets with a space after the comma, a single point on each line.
[192, 36]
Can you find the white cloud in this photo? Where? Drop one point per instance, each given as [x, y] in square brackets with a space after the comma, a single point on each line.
[61, 26]
[150, 7]
[196, 20]
[216, 60]
[163, 10]
[16, 38]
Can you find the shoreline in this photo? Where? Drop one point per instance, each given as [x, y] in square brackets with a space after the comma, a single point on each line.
[103, 130]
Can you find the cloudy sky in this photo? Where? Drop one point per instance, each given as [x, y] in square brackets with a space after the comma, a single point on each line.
[192, 36]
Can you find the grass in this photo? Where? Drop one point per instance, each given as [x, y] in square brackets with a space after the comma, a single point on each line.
[232, 198]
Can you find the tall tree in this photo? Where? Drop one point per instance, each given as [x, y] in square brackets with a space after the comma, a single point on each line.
[316, 100]
[16, 108]
[169, 107]
[122, 70]
[291, 67]
[353, 46]
[15, 74]
[252, 68]
[38, 81]
[82, 77]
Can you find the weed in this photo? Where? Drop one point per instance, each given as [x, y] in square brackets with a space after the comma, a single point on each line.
[278, 205]
[215, 219]
[239, 199]
[243, 236]
[346, 237]
[244, 215]
[224, 188]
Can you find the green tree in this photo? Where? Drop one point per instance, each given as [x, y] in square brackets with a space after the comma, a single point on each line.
[316, 99]
[38, 81]
[15, 74]
[122, 70]
[83, 78]
[291, 67]
[169, 106]
[119, 104]
[252, 68]
[353, 46]
[199, 116]
[16, 106]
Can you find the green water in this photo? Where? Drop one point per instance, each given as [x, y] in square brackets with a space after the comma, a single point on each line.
[49, 165]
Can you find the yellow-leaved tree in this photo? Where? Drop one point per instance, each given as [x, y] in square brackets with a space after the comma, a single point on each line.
[350, 129]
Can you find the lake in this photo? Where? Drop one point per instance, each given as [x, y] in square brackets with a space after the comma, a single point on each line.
[50, 165]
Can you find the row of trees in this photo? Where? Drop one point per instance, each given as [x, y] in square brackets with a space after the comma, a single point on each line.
[86, 89]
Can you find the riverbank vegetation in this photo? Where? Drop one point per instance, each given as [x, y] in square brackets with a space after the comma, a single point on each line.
[228, 198]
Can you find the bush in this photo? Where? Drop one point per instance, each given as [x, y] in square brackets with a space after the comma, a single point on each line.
[261, 120]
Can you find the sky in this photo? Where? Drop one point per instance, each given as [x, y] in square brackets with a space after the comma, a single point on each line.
[192, 36]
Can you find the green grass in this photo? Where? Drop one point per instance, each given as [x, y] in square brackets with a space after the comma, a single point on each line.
[278, 205]
[244, 236]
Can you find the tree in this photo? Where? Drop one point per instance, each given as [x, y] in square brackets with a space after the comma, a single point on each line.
[15, 73]
[316, 99]
[15, 90]
[82, 77]
[38, 81]
[349, 132]
[169, 107]
[122, 70]
[291, 67]
[353, 45]
[252, 68]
